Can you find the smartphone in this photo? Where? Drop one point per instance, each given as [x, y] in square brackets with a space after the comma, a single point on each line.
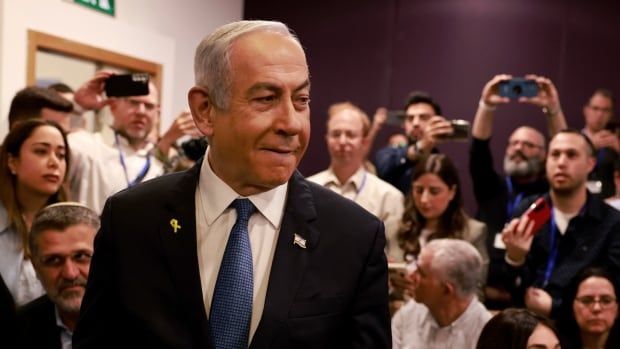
[539, 212]
[518, 87]
[395, 118]
[612, 126]
[124, 85]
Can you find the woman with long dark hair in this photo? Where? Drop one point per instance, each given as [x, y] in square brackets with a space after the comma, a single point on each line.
[518, 329]
[434, 210]
[34, 159]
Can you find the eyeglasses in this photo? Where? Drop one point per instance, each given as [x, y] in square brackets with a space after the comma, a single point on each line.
[134, 103]
[525, 144]
[605, 302]
[596, 108]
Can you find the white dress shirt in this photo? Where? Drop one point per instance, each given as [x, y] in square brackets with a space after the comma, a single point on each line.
[375, 195]
[18, 273]
[215, 219]
[413, 327]
[96, 170]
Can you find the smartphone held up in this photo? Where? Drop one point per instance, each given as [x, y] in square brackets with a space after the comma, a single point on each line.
[518, 87]
[539, 213]
[125, 85]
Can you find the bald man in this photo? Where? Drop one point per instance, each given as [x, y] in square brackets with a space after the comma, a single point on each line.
[497, 195]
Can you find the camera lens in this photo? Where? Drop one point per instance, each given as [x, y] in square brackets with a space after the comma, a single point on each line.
[517, 89]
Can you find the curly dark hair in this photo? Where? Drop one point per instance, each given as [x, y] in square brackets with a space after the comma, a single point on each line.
[453, 220]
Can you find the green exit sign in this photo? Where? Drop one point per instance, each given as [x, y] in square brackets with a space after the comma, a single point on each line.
[104, 6]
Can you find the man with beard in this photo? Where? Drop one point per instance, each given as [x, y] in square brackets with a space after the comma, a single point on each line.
[61, 241]
[497, 195]
[582, 230]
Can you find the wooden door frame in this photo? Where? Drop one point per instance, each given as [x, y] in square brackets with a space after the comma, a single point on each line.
[47, 42]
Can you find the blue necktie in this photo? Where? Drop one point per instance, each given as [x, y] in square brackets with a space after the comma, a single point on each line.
[231, 308]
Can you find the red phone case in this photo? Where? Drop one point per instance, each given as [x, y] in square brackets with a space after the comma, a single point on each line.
[539, 212]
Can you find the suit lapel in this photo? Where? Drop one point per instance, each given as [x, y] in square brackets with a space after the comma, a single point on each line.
[289, 260]
[180, 250]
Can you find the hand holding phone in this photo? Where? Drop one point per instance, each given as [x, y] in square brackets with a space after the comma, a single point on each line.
[539, 213]
[460, 131]
[518, 87]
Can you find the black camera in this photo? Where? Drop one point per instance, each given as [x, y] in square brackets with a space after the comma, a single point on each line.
[195, 148]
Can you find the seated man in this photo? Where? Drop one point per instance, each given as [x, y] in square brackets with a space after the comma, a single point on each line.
[446, 312]
[61, 241]
[582, 231]
[423, 127]
[347, 129]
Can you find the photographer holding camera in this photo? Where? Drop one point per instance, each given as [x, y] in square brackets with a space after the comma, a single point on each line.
[498, 195]
[424, 127]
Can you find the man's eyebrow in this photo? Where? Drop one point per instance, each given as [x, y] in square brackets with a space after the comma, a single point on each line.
[305, 84]
[274, 88]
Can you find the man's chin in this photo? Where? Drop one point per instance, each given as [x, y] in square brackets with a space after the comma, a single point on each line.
[69, 302]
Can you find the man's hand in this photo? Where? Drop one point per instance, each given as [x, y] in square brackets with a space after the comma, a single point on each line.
[436, 128]
[482, 127]
[490, 92]
[183, 125]
[606, 139]
[400, 280]
[517, 236]
[90, 95]
[379, 119]
[538, 300]
[547, 96]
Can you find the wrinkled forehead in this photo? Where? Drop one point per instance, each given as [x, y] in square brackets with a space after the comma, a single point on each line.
[528, 134]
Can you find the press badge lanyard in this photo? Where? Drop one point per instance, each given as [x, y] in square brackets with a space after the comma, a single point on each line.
[143, 172]
[553, 256]
[359, 190]
[554, 250]
[512, 203]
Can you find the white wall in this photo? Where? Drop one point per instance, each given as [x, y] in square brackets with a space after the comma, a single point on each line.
[161, 31]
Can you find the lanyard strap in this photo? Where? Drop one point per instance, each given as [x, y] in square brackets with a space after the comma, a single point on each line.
[553, 239]
[141, 174]
[359, 190]
[513, 202]
[553, 255]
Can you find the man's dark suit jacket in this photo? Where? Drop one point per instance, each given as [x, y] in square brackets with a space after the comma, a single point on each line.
[8, 318]
[144, 285]
[37, 320]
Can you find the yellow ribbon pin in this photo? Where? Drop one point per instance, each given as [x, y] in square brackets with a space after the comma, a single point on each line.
[175, 225]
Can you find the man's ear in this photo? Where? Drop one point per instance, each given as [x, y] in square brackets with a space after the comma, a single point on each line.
[202, 109]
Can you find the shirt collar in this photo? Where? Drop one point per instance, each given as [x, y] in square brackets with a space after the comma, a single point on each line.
[59, 322]
[459, 322]
[357, 178]
[219, 195]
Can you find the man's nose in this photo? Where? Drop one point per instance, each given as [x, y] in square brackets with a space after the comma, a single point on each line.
[289, 120]
[70, 270]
